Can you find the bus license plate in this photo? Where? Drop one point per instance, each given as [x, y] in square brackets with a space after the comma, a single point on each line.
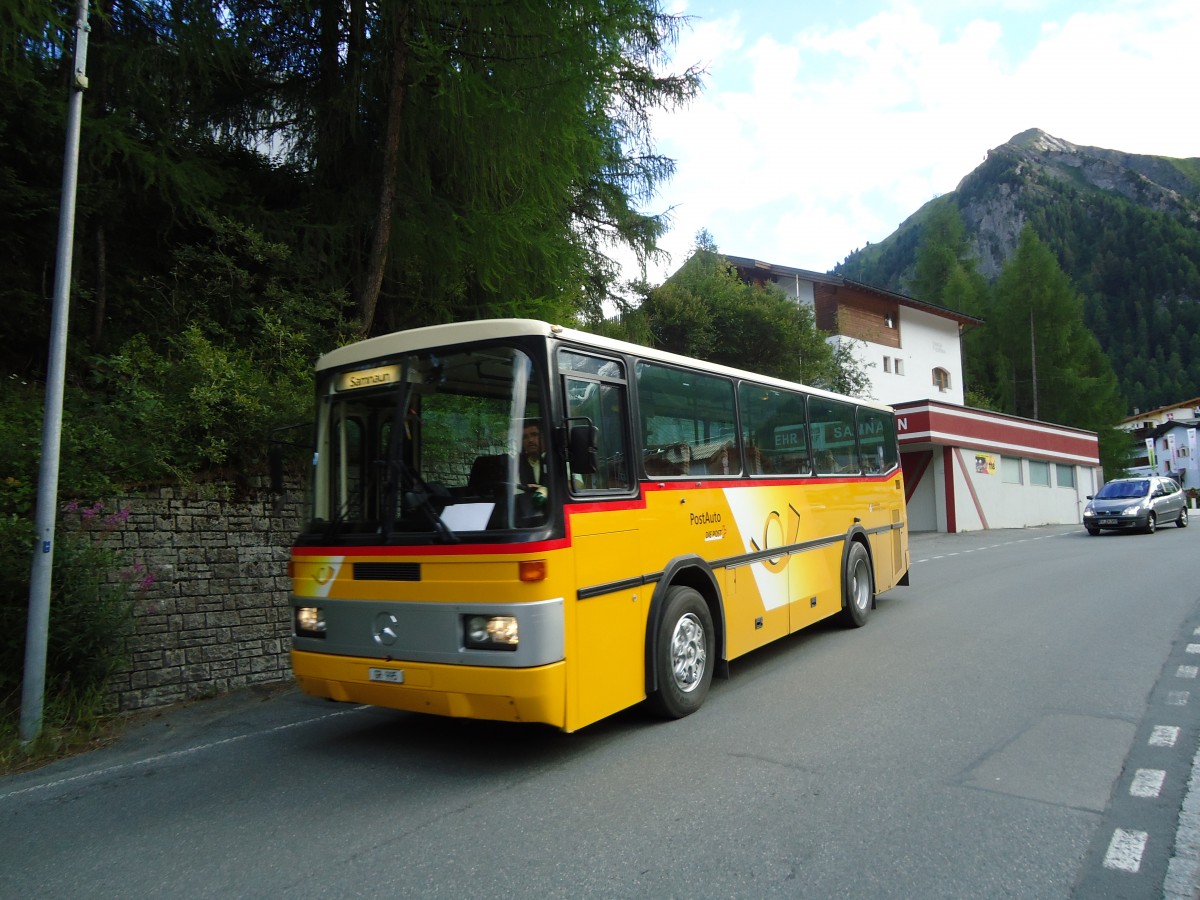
[391, 676]
[1106, 521]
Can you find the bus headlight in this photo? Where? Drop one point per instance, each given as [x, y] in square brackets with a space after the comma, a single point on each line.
[310, 621]
[490, 632]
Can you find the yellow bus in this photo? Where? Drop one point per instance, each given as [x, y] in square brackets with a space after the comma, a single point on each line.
[519, 521]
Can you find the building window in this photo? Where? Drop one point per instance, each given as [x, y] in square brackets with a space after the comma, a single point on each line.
[1010, 469]
[899, 366]
[887, 364]
[1065, 475]
[941, 379]
[1039, 473]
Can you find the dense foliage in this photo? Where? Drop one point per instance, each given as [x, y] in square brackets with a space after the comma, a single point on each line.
[263, 180]
[1034, 357]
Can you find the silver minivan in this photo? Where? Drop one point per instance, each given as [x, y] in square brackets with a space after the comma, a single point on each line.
[1140, 504]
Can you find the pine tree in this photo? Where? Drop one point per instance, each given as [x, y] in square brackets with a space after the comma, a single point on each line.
[1052, 366]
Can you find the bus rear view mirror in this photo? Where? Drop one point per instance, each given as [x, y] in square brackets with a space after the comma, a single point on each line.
[582, 449]
[275, 467]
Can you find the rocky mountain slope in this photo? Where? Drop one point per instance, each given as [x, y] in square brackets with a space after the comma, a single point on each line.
[1125, 227]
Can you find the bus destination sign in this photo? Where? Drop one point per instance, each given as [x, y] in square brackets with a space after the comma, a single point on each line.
[349, 381]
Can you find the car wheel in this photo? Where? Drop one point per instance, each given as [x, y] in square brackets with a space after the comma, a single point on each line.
[1182, 520]
[683, 649]
[1092, 530]
[1151, 523]
[857, 591]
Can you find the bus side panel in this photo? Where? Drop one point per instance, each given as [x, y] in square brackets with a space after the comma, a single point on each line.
[885, 509]
[877, 513]
[759, 595]
[829, 511]
[756, 609]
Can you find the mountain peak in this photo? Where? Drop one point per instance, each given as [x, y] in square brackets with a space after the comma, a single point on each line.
[1040, 141]
[1124, 226]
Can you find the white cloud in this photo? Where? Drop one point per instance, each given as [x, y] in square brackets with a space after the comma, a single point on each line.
[811, 141]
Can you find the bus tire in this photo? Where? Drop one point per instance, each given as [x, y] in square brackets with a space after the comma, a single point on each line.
[858, 594]
[684, 653]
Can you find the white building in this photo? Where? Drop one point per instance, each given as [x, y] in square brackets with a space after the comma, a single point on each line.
[1144, 421]
[964, 469]
[1164, 441]
[909, 349]
[1170, 449]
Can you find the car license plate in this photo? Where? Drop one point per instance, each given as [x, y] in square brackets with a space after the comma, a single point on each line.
[1106, 521]
[391, 676]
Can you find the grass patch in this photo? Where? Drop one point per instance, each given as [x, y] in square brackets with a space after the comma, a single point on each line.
[70, 725]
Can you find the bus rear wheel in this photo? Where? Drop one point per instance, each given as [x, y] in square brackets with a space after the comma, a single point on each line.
[858, 594]
[683, 653]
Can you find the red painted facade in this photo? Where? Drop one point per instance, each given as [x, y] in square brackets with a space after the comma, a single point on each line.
[930, 422]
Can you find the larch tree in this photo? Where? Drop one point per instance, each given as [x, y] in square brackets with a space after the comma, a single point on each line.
[1052, 366]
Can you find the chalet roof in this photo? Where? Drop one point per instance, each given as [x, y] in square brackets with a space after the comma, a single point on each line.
[756, 265]
[1160, 430]
[1194, 403]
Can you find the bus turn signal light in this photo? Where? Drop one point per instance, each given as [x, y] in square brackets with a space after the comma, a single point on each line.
[532, 570]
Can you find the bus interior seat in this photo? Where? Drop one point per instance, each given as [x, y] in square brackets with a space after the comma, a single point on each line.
[486, 473]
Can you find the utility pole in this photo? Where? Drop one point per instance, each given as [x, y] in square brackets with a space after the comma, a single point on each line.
[33, 687]
[1033, 362]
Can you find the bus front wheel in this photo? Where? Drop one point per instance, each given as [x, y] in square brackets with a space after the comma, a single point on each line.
[683, 652]
[857, 592]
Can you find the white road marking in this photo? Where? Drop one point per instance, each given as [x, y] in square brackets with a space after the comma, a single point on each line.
[1187, 671]
[1178, 698]
[1164, 736]
[1147, 783]
[1125, 850]
[1044, 537]
[1193, 648]
[188, 751]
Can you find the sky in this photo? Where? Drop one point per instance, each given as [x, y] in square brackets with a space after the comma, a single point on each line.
[823, 125]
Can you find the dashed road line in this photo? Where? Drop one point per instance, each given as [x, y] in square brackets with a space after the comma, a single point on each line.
[1125, 850]
[1044, 537]
[1147, 783]
[1164, 736]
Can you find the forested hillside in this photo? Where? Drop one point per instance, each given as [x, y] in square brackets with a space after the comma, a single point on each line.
[1125, 229]
[260, 181]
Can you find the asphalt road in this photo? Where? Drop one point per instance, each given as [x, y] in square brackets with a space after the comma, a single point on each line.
[1019, 722]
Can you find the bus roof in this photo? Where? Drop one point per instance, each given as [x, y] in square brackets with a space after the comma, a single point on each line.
[491, 329]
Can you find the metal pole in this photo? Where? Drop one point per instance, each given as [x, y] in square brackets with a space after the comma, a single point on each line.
[1033, 362]
[33, 688]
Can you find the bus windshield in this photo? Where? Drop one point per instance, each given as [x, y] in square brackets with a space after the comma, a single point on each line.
[430, 446]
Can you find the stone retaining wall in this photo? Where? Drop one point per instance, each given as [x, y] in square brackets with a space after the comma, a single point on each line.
[216, 616]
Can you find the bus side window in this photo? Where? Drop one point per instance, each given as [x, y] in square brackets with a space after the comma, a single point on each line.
[774, 430]
[600, 399]
[834, 436]
[877, 441]
[688, 423]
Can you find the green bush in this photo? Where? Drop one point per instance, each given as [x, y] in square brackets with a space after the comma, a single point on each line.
[94, 589]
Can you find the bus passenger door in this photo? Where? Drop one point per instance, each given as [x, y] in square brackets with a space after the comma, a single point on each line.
[608, 663]
[606, 634]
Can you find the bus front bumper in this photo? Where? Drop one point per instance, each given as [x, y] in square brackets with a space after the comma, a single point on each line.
[472, 692]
